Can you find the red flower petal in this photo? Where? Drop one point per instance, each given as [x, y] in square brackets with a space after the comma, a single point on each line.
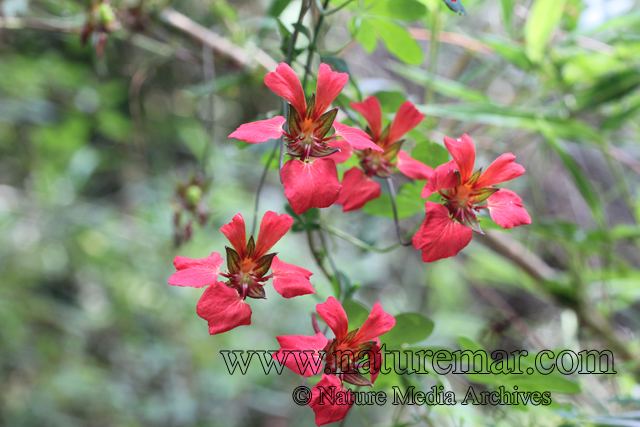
[290, 280]
[442, 179]
[260, 131]
[295, 361]
[379, 322]
[440, 236]
[372, 113]
[502, 169]
[285, 82]
[222, 307]
[357, 190]
[330, 84]
[355, 137]
[272, 228]
[506, 209]
[333, 314]
[236, 234]
[196, 273]
[345, 151]
[311, 184]
[326, 412]
[406, 119]
[413, 168]
[463, 152]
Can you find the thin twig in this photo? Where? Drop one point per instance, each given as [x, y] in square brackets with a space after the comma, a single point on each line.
[209, 75]
[313, 45]
[355, 241]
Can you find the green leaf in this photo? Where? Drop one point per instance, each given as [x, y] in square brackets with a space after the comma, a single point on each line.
[404, 10]
[440, 84]
[507, 13]
[366, 35]
[338, 63]
[513, 117]
[430, 153]
[543, 18]
[610, 88]
[469, 344]
[406, 202]
[398, 41]
[510, 51]
[390, 101]
[277, 7]
[410, 328]
[356, 313]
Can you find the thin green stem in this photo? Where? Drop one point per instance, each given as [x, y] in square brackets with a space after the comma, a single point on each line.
[392, 193]
[434, 45]
[313, 46]
[355, 241]
[333, 265]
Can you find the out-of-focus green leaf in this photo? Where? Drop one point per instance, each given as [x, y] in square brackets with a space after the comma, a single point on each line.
[390, 101]
[277, 7]
[509, 50]
[430, 153]
[440, 84]
[366, 34]
[404, 10]
[398, 41]
[616, 120]
[410, 328]
[507, 13]
[406, 203]
[467, 343]
[356, 313]
[543, 18]
[513, 118]
[589, 67]
[610, 88]
[338, 63]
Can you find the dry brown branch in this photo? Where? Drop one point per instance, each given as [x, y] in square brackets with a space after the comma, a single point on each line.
[513, 250]
[535, 267]
[217, 43]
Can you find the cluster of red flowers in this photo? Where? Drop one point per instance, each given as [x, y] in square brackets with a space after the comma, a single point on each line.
[223, 304]
[310, 179]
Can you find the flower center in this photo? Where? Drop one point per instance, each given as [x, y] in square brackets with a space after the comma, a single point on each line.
[460, 198]
[374, 163]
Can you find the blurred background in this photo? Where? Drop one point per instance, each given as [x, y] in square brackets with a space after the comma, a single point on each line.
[114, 158]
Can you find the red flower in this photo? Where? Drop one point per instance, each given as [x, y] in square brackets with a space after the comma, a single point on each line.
[343, 356]
[358, 187]
[223, 304]
[309, 180]
[448, 228]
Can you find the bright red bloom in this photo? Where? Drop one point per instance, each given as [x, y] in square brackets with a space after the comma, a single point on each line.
[344, 356]
[358, 187]
[306, 184]
[448, 228]
[223, 304]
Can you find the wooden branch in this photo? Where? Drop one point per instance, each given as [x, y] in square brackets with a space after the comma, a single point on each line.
[217, 43]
